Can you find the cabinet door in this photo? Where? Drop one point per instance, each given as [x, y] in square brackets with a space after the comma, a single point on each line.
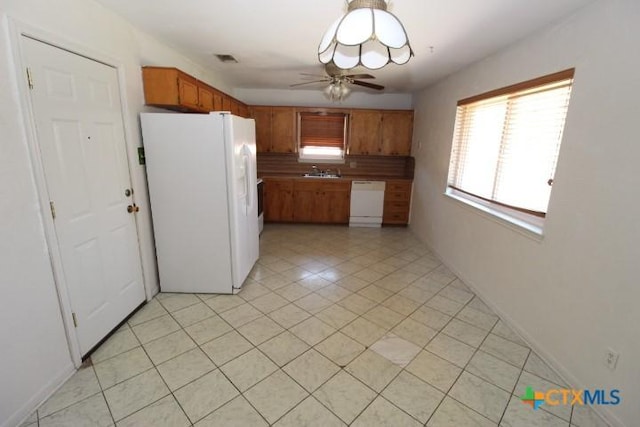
[243, 110]
[205, 96]
[364, 135]
[304, 206]
[188, 91]
[235, 108]
[226, 103]
[262, 116]
[336, 202]
[217, 101]
[397, 132]
[278, 200]
[305, 200]
[160, 86]
[283, 139]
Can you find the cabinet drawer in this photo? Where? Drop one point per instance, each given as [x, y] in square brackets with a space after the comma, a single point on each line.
[321, 184]
[401, 196]
[393, 186]
[279, 184]
[336, 186]
[396, 207]
[395, 217]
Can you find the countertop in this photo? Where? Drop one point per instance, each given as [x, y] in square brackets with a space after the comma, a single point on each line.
[343, 178]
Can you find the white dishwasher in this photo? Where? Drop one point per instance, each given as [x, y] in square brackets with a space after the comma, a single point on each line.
[367, 202]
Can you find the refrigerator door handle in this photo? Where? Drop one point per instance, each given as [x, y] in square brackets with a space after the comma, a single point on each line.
[247, 181]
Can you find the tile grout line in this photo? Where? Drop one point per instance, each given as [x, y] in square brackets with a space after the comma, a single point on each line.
[395, 325]
[446, 394]
[171, 392]
[378, 394]
[361, 249]
[512, 393]
[158, 372]
[378, 304]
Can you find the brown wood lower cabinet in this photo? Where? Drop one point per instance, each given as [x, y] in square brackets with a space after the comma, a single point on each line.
[321, 201]
[306, 200]
[326, 201]
[278, 199]
[397, 202]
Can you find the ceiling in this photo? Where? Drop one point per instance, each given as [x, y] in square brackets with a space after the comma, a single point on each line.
[275, 40]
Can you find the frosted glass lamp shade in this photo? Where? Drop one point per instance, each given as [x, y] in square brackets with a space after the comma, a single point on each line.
[337, 91]
[367, 35]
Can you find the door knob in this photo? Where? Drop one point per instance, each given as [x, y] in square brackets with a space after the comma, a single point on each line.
[133, 208]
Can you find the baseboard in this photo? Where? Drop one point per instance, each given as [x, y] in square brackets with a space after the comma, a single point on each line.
[605, 414]
[40, 397]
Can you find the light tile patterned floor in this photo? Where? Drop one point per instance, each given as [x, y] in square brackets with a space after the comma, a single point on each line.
[336, 326]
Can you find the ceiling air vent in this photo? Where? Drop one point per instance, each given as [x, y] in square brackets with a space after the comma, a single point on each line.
[226, 58]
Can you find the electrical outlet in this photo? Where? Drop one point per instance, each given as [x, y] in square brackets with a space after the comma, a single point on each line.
[611, 358]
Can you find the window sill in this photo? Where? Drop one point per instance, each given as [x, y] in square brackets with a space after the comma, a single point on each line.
[528, 225]
[319, 159]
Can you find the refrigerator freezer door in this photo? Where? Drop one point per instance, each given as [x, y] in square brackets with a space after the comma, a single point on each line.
[242, 192]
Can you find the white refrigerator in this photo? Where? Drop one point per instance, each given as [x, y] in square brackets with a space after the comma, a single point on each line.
[201, 171]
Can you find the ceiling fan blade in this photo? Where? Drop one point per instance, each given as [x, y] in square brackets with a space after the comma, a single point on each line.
[308, 83]
[360, 76]
[313, 75]
[369, 85]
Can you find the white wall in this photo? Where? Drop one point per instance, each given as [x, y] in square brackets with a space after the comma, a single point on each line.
[34, 355]
[576, 292]
[315, 98]
[34, 358]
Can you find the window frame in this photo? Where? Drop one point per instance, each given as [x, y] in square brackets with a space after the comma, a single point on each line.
[324, 158]
[530, 221]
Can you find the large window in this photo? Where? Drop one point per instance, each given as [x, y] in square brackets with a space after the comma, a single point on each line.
[321, 136]
[506, 144]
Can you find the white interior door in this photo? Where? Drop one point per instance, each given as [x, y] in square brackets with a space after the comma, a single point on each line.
[78, 117]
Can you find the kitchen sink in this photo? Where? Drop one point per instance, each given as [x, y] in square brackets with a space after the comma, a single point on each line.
[322, 175]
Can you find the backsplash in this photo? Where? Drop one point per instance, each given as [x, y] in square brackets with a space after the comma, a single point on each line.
[365, 166]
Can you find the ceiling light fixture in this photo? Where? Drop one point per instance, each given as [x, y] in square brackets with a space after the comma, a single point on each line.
[367, 35]
[337, 90]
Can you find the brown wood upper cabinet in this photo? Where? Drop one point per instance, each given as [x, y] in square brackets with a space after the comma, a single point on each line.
[397, 133]
[364, 135]
[275, 129]
[205, 97]
[381, 132]
[170, 88]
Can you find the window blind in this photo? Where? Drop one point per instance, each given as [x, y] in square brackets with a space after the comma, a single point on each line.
[506, 142]
[322, 130]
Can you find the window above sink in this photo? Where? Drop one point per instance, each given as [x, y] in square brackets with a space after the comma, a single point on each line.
[322, 136]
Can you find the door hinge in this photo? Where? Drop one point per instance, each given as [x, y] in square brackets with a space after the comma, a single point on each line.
[53, 209]
[29, 78]
[75, 320]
